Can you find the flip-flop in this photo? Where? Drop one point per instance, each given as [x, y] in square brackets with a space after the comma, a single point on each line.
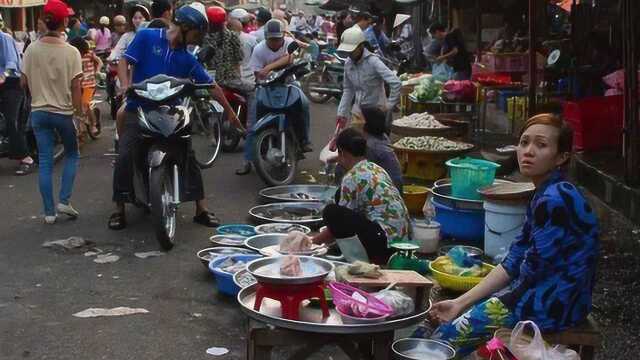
[24, 169]
[207, 219]
[117, 221]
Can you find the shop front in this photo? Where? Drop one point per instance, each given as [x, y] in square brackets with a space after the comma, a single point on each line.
[20, 15]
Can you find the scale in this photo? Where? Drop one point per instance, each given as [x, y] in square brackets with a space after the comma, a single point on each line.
[405, 259]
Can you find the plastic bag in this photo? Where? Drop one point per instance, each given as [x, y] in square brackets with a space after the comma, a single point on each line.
[524, 347]
[459, 90]
[400, 302]
[295, 242]
[442, 71]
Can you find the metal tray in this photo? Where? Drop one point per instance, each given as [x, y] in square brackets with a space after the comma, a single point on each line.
[267, 270]
[318, 193]
[267, 213]
[226, 240]
[261, 241]
[281, 228]
[311, 319]
[251, 280]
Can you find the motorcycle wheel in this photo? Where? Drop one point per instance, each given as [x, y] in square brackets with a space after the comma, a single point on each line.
[206, 138]
[270, 169]
[162, 217]
[318, 78]
[96, 135]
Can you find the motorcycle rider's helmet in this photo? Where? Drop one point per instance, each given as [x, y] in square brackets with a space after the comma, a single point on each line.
[216, 15]
[104, 20]
[351, 39]
[192, 16]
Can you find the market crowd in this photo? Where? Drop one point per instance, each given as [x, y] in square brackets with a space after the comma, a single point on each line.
[50, 76]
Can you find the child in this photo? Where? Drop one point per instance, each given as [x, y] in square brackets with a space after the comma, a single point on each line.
[90, 66]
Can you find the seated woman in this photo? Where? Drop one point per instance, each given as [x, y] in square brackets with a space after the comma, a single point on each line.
[379, 149]
[370, 210]
[549, 272]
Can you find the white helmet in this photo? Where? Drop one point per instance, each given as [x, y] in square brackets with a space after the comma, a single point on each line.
[351, 38]
[239, 14]
[104, 21]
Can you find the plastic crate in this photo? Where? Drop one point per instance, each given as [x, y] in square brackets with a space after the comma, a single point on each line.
[468, 175]
[597, 122]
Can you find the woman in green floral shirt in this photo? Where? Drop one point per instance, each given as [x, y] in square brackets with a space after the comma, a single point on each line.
[370, 210]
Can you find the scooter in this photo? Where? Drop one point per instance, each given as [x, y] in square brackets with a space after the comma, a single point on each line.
[166, 134]
[230, 135]
[277, 148]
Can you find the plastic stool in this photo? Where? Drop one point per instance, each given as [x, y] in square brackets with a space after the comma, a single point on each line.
[290, 297]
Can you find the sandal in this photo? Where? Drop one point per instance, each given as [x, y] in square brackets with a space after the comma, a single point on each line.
[207, 219]
[117, 221]
[24, 169]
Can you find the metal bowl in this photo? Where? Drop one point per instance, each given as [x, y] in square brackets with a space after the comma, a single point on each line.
[228, 240]
[298, 193]
[267, 270]
[281, 228]
[307, 213]
[259, 242]
[207, 254]
[421, 349]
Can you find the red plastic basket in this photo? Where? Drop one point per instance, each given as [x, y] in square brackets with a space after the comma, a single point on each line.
[597, 122]
[343, 300]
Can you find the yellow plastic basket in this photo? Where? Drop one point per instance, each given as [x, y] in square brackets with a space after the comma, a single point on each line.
[454, 282]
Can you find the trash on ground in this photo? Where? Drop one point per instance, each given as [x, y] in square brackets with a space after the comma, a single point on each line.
[144, 255]
[93, 252]
[217, 351]
[118, 311]
[68, 243]
[106, 258]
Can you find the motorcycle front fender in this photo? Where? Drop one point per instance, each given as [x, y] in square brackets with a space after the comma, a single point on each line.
[270, 120]
[156, 158]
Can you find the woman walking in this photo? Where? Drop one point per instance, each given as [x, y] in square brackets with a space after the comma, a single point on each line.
[53, 73]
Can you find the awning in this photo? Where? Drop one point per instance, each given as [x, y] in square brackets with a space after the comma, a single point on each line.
[21, 3]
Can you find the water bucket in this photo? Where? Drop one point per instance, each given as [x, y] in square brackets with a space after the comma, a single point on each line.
[503, 223]
[463, 225]
[427, 236]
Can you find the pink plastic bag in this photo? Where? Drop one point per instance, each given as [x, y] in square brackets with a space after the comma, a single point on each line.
[459, 90]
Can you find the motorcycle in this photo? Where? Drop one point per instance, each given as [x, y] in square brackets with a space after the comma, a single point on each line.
[112, 88]
[325, 81]
[230, 136]
[166, 131]
[276, 147]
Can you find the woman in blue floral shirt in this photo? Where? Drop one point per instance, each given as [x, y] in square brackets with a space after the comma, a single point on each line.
[549, 273]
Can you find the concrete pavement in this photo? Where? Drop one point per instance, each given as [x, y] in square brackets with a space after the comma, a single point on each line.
[40, 288]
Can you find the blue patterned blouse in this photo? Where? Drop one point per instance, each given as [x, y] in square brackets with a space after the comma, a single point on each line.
[553, 263]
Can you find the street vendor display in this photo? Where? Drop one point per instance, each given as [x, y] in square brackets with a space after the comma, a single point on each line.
[424, 157]
[371, 213]
[552, 286]
[298, 193]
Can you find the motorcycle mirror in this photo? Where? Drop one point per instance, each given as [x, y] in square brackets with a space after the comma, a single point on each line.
[293, 47]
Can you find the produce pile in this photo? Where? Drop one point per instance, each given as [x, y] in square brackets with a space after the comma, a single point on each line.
[431, 143]
[428, 89]
[422, 121]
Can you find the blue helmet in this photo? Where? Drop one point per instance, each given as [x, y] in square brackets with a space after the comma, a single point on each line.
[193, 15]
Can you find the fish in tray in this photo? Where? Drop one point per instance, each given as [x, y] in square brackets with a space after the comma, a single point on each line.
[290, 266]
[232, 266]
[302, 196]
[278, 228]
[228, 239]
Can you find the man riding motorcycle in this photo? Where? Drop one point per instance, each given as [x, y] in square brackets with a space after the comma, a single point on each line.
[271, 54]
[154, 52]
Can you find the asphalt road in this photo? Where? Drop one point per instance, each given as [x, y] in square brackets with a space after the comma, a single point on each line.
[40, 288]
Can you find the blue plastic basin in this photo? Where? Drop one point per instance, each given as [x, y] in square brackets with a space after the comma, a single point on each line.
[465, 226]
[224, 280]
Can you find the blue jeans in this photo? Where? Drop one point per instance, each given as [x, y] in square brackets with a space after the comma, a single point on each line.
[45, 125]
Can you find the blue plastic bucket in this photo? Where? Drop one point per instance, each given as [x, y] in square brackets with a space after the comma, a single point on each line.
[468, 175]
[224, 280]
[465, 226]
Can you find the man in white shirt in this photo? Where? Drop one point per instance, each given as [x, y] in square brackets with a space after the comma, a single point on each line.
[262, 17]
[271, 54]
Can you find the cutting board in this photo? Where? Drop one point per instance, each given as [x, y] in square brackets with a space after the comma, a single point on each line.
[407, 278]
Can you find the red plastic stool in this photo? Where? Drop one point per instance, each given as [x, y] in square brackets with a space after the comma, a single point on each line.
[290, 297]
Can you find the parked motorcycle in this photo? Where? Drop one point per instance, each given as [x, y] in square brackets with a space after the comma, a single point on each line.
[325, 81]
[277, 147]
[230, 135]
[112, 88]
[167, 131]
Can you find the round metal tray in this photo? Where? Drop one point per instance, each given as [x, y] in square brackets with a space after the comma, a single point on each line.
[318, 193]
[261, 241]
[281, 228]
[228, 240]
[271, 212]
[311, 319]
[267, 270]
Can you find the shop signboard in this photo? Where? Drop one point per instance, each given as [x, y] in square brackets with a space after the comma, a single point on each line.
[20, 3]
